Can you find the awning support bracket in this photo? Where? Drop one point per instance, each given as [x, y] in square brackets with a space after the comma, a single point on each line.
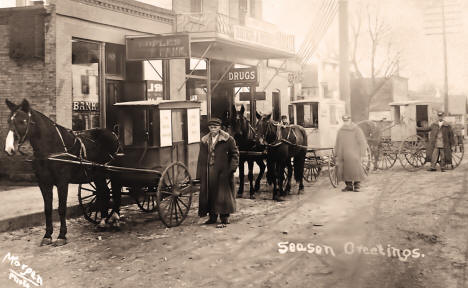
[199, 60]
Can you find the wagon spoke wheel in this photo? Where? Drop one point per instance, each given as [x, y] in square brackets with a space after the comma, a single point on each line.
[386, 157]
[174, 194]
[145, 197]
[366, 160]
[87, 198]
[457, 154]
[311, 170]
[332, 171]
[412, 153]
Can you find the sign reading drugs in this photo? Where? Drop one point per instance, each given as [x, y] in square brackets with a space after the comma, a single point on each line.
[158, 47]
[242, 77]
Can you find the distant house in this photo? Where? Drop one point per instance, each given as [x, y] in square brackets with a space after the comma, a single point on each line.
[389, 90]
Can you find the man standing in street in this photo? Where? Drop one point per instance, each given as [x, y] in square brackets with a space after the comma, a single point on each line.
[217, 161]
[350, 149]
[441, 139]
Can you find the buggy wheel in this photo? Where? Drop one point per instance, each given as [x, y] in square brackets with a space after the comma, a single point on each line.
[174, 194]
[87, 199]
[145, 198]
[457, 154]
[332, 171]
[386, 157]
[311, 170]
[366, 161]
[412, 153]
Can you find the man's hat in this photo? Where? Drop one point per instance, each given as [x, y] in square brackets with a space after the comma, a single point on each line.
[346, 117]
[440, 113]
[214, 121]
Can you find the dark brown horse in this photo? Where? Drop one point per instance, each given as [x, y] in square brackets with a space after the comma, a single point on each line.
[250, 150]
[48, 139]
[283, 143]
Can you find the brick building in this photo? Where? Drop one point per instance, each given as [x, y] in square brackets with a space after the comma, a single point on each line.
[68, 59]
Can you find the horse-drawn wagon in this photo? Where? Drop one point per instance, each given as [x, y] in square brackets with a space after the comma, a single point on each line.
[409, 135]
[160, 141]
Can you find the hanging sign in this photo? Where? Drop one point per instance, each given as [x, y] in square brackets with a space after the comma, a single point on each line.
[242, 77]
[245, 96]
[165, 128]
[158, 47]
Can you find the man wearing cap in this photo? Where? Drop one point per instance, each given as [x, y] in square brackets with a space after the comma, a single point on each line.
[217, 161]
[441, 139]
[350, 148]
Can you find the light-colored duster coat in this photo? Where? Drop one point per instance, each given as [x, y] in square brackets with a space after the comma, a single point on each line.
[350, 148]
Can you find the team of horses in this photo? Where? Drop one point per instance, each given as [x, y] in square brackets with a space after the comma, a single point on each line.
[52, 141]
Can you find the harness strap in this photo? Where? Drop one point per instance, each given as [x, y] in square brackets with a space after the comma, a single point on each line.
[83, 153]
[61, 138]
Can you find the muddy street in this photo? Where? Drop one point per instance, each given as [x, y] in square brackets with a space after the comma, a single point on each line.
[402, 230]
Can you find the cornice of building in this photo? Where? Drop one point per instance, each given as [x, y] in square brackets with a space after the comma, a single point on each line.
[133, 8]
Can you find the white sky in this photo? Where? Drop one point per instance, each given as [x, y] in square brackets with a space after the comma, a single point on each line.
[422, 55]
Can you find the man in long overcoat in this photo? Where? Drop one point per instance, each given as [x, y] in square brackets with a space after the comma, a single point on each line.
[350, 148]
[217, 161]
[441, 139]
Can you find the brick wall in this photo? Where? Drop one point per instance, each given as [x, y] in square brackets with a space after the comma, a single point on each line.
[30, 78]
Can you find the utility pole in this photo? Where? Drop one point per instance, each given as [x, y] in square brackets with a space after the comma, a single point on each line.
[344, 55]
[444, 37]
[442, 21]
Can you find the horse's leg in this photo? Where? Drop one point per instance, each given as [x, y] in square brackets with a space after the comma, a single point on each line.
[280, 176]
[47, 195]
[62, 191]
[102, 198]
[241, 178]
[116, 198]
[299, 162]
[261, 165]
[252, 191]
[288, 179]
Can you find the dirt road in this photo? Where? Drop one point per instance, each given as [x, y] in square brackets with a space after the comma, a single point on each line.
[402, 230]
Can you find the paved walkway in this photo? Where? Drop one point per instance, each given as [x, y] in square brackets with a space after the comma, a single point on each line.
[24, 207]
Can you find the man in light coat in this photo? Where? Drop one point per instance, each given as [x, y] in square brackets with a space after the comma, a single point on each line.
[350, 149]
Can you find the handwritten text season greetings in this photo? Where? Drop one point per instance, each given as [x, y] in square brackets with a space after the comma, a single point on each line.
[350, 248]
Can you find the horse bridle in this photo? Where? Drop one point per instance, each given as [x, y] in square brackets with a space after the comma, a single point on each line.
[15, 130]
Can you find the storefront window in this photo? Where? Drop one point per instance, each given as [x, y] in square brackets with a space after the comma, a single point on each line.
[85, 85]
[153, 71]
[115, 59]
[307, 115]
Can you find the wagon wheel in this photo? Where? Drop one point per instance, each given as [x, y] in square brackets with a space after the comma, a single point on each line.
[145, 197]
[332, 171]
[386, 157]
[366, 161]
[311, 170]
[88, 201]
[412, 153]
[174, 194]
[457, 154]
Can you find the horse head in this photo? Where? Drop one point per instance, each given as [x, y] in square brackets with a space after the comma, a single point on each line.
[266, 129]
[19, 125]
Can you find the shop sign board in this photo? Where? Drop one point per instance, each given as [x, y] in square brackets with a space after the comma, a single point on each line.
[85, 106]
[242, 77]
[165, 122]
[245, 96]
[158, 47]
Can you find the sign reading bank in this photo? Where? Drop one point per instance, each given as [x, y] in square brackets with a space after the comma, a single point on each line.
[242, 77]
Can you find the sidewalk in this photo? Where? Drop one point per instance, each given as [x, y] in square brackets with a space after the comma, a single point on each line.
[24, 207]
